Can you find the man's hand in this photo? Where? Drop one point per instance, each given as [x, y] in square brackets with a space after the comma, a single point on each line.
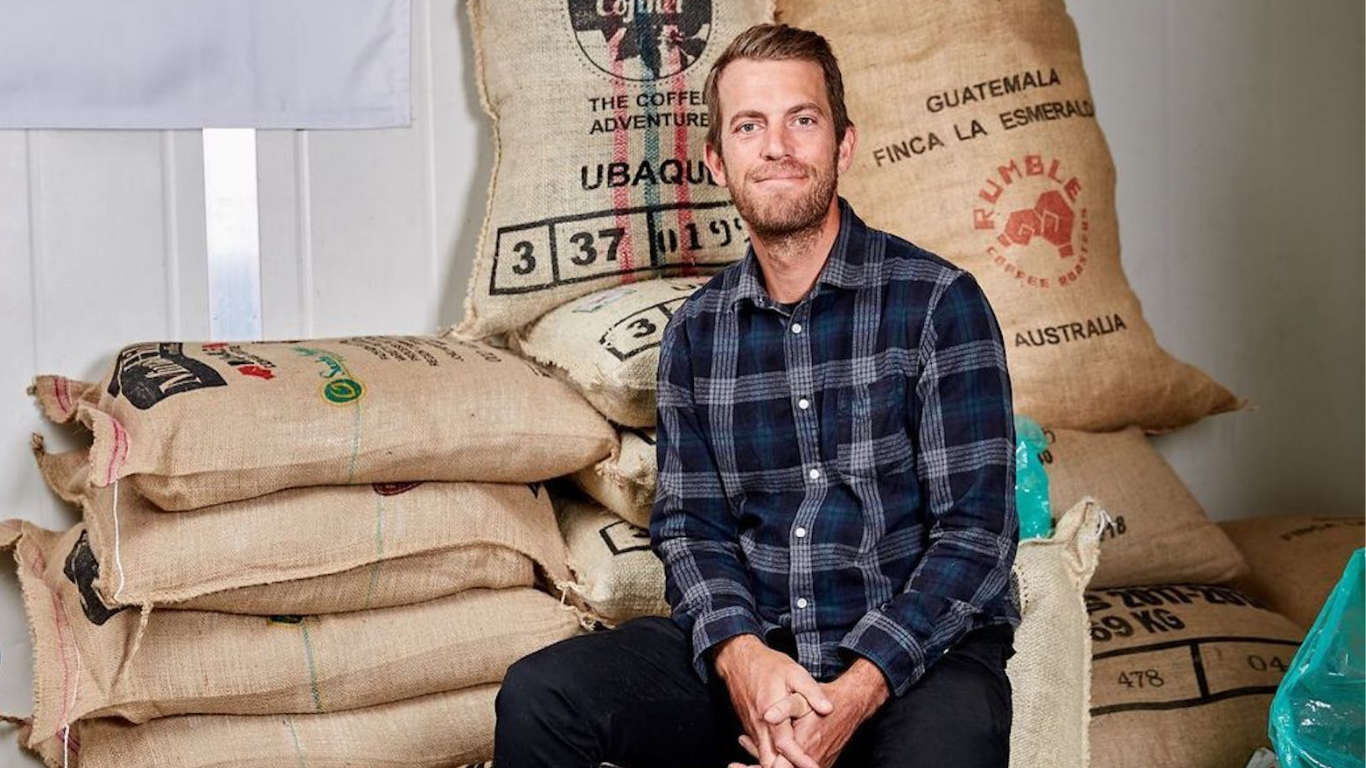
[856, 695]
[758, 677]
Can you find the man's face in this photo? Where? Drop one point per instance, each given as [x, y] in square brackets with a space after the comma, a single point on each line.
[779, 156]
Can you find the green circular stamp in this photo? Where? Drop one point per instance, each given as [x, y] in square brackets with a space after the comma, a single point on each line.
[342, 391]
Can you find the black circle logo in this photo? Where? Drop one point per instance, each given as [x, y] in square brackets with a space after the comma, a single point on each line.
[641, 40]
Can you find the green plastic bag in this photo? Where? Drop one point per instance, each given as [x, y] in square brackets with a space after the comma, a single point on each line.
[1318, 719]
[1031, 481]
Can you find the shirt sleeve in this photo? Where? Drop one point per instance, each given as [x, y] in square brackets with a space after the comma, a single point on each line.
[965, 461]
[692, 529]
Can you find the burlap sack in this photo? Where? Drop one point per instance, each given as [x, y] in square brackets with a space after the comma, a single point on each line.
[313, 550]
[607, 344]
[599, 124]
[625, 484]
[198, 424]
[978, 141]
[1183, 675]
[1158, 532]
[437, 730]
[92, 662]
[1295, 560]
[1048, 673]
[616, 575]
[59, 397]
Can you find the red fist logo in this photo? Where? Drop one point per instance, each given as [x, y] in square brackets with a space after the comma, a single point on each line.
[1051, 218]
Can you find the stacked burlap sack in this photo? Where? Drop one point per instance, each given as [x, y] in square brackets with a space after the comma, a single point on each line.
[978, 141]
[322, 552]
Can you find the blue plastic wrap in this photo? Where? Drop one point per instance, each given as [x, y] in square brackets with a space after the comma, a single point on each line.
[1031, 481]
[1318, 719]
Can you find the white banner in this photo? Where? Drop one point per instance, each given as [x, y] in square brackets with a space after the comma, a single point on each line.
[204, 64]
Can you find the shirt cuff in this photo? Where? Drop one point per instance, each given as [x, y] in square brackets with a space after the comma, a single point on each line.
[889, 646]
[715, 627]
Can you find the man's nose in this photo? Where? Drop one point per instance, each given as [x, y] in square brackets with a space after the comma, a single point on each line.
[777, 142]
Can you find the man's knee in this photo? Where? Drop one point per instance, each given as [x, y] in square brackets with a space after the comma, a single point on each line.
[545, 684]
[959, 718]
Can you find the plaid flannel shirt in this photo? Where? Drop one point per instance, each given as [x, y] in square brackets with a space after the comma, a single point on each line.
[846, 470]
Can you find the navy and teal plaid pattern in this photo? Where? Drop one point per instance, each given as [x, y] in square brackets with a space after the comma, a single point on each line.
[845, 471]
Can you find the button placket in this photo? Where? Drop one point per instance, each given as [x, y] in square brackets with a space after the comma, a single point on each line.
[798, 352]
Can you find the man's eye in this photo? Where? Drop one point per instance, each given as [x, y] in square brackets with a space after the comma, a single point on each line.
[746, 127]
[806, 121]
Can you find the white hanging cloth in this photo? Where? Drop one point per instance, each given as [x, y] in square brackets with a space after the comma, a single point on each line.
[204, 63]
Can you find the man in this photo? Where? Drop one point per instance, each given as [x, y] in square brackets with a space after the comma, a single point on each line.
[835, 506]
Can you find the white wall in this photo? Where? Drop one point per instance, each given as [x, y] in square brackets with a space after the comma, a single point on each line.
[1237, 127]
[1237, 132]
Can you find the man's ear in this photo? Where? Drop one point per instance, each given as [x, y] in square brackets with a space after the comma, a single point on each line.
[715, 164]
[847, 146]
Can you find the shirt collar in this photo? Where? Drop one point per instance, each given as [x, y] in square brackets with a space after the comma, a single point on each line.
[844, 267]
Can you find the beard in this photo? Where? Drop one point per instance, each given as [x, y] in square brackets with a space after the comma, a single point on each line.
[780, 213]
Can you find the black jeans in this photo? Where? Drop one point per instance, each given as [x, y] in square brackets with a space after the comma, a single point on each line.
[630, 697]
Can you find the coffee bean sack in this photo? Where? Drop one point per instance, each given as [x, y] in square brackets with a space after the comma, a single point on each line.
[91, 661]
[325, 549]
[616, 575]
[1183, 675]
[1158, 532]
[446, 728]
[978, 141]
[1049, 673]
[599, 125]
[625, 484]
[606, 345]
[194, 424]
[1295, 560]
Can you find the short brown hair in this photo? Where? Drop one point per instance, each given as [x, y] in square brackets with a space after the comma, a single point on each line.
[777, 42]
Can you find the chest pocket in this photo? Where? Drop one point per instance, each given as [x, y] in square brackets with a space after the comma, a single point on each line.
[872, 435]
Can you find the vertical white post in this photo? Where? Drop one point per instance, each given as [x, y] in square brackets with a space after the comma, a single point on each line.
[233, 232]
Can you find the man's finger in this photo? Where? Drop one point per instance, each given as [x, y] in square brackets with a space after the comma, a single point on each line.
[766, 753]
[803, 683]
[749, 745]
[785, 741]
[792, 707]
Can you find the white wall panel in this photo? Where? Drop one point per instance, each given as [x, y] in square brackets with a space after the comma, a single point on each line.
[101, 243]
[1236, 126]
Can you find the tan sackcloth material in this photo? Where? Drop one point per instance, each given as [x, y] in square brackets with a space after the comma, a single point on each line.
[192, 425]
[433, 731]
[1183, 675]
[625, 484]
[616, 575]
[1049, 673]
[384, 584]
[66, 473]
[91, 662]
[977, 141]
[598, 133]
[325, 549]
[58, 396]
[1158, 532]
[1295, 560]
[607, 344]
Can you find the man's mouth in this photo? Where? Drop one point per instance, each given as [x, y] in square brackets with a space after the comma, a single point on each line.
[789, 174]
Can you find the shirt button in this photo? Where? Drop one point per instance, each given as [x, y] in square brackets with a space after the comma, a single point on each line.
[801, 602]
[803, 403]
[796, 327]
[815, 474]
[801, 533]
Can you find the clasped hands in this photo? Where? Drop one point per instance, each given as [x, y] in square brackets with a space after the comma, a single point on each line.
[790, 720]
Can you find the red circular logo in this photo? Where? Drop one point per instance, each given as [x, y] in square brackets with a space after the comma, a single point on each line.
[1037, 226]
